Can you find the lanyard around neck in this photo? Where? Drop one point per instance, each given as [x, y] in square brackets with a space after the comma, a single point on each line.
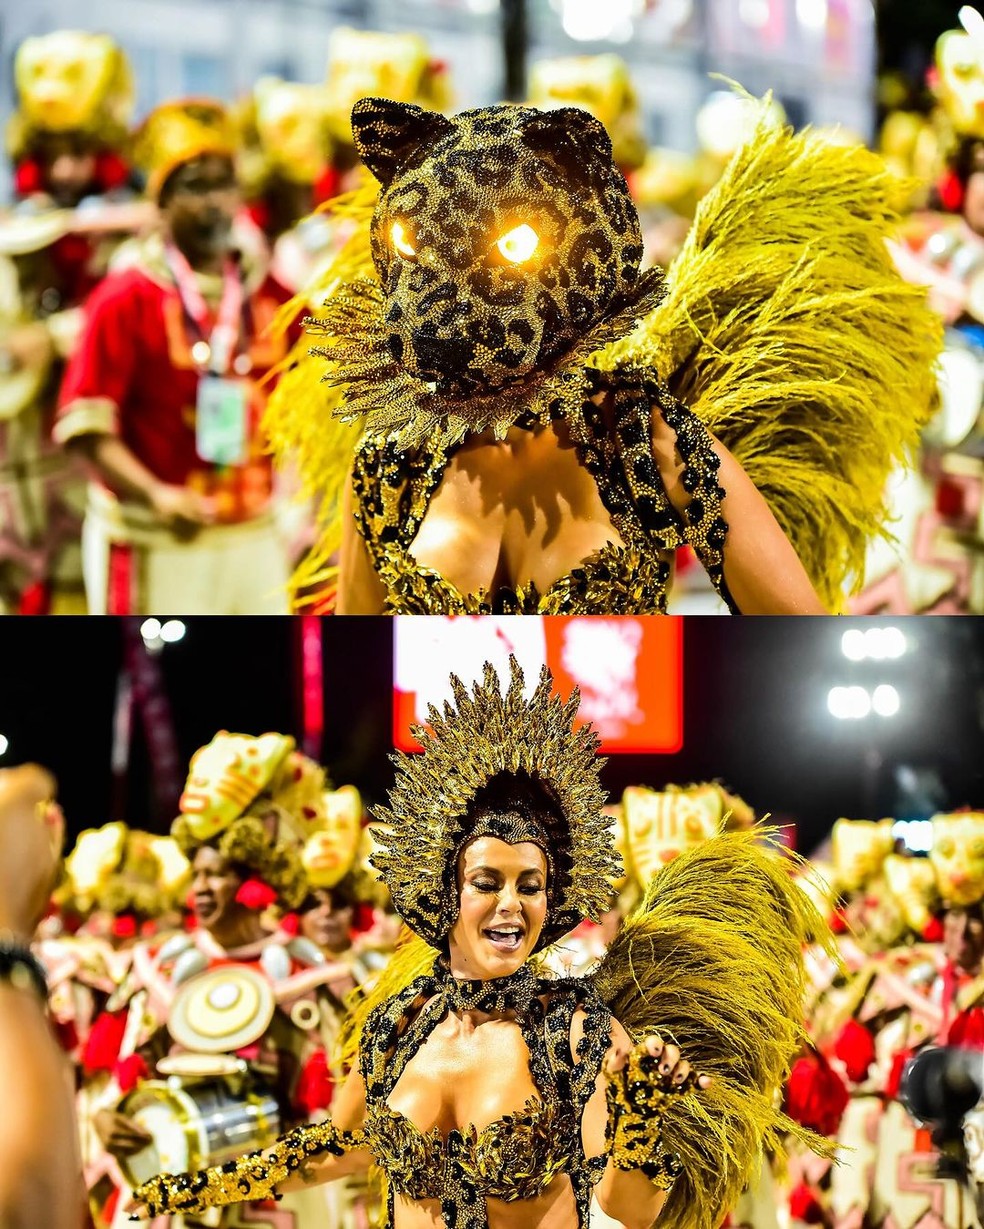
[214, 350]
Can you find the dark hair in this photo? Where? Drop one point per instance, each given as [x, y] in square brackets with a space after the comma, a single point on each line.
[516, 806]
[343, 896]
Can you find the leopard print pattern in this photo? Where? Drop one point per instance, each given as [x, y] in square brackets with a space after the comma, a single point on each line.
[501, 236]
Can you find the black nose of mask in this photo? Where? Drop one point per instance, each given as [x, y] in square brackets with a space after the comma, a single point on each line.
[440, 356]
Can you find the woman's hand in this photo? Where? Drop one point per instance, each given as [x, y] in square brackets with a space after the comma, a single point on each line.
[640, 1085]
[137, 1209]
[672, 1068]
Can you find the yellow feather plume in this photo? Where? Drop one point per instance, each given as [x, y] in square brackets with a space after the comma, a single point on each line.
[788, 331]
[713, 959]
[298, 417]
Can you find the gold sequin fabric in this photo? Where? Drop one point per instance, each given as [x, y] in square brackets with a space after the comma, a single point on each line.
[637, 1096]
[515, 1157]
[484, 733]
[394, 487]
[461, 311]
[251, 1177]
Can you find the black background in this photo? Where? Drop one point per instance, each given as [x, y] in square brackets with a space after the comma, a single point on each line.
[754, 711]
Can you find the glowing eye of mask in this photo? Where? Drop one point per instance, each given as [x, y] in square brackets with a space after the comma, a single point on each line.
[518, 244]
[400, 240]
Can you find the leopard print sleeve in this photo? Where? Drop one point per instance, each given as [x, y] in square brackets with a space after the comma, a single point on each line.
[705, 528]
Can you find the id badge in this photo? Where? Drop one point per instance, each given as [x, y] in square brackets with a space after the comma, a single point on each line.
[221, 417]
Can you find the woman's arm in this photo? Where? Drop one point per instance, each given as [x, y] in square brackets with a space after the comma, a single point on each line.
[359, 588]
[628, 1195]
[348, 1112]
[320, 1152]
[761, 569]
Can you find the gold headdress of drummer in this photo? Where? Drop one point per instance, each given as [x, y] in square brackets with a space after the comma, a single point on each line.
[257, 800]
[176, 133]
[601, 85]
[75, 98]
[365, 64]
[129, 876]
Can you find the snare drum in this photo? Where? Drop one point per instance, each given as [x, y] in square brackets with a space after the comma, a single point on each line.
[197, 1124]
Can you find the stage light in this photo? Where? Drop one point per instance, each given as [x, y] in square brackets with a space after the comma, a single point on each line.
[812, 14]
[4, 744]
[876, 643]
[848, 703]
[885, 700]
[172, 631]
[893, 641]
[588, 21]
[754, 13]
[883, 642]
[852, 644]
[150, 629]
[915, 834]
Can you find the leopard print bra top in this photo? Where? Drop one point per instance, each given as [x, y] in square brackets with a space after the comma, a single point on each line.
[518, 1155]
[515, 1157]
[393, 490]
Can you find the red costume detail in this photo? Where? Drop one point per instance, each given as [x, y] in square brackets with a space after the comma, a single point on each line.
[855, 1047]
[816, 1096]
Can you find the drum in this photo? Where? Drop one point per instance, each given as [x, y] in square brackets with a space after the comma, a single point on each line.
[198, 1123]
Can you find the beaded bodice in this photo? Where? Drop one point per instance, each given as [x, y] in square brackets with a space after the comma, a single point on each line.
[518, 1155]
[394, 487]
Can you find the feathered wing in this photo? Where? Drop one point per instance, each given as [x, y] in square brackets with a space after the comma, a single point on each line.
[788, 331]
[412, 958]
[713, 958]
[299, 414]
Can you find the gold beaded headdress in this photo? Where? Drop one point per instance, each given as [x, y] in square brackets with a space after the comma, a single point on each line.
[482, 736]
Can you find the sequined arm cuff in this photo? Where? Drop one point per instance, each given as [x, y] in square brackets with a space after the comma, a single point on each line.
[637, 1099]
[253, 1176]
[705, 528]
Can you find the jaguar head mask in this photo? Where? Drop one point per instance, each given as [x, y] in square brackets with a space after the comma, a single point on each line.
[501, 237]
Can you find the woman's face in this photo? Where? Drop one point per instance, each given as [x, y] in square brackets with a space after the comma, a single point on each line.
[502, 907]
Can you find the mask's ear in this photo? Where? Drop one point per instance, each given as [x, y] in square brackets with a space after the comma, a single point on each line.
[388, 134]
[572, 138]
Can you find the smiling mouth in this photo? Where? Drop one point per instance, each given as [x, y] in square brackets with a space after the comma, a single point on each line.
[504, 938]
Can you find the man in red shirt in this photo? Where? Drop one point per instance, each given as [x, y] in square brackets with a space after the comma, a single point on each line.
[163, 396]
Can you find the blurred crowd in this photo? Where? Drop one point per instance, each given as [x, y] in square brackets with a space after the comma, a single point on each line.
[198, 985]
[154, 278]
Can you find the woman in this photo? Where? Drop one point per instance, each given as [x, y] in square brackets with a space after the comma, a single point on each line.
[492, 1097]
[525, 447]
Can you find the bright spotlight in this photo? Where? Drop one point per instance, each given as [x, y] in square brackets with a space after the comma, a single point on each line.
[915, 834]
[172, 631]
[885, 700]
[812, 14]
[4, 744]
[150, 629]
[754, 13]
[848, 703]
[893, 641]
[874, 643]
[852, 644]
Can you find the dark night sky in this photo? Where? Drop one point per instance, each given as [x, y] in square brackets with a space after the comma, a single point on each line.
[754, 706]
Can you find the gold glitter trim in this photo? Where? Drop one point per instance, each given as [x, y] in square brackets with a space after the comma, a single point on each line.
[394, 402]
